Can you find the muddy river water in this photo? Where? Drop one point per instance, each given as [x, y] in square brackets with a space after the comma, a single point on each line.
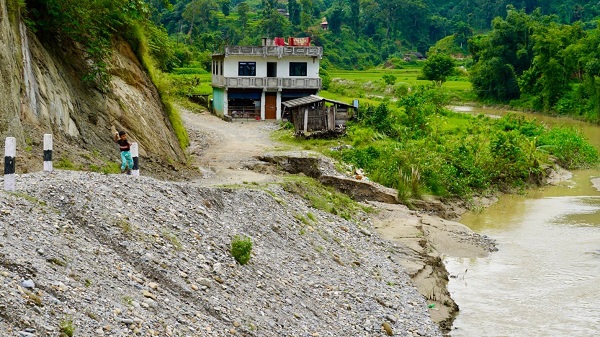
[545, 278]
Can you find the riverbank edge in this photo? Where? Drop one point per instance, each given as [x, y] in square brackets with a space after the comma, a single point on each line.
[426, 235]
[423, 233]
[430, 231]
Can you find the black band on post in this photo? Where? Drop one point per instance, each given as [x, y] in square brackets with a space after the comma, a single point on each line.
[9, 165]
[136, 163]
[47, 155]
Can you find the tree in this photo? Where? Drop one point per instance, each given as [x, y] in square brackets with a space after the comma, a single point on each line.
[306, 15]
[438, 67]
[494, 79]
[226, 7]
[294, 12]
[551, 61]
[199, 12]
[353, 17]
[242, 10]
[504, 54]
[335, 19]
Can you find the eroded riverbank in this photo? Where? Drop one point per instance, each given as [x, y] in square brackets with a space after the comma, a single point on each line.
[424, 240]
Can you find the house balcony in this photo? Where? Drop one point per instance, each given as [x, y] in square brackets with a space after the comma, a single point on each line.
[266, 82]
[279, 51]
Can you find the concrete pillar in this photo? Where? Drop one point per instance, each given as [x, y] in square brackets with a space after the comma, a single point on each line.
[263, 104]
[278, 115]
[225, 103]
[47, 153]
[136, 162]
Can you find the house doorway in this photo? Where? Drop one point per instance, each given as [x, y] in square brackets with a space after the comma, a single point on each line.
[270, 105]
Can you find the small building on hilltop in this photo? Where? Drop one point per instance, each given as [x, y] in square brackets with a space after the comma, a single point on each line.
[252, 82]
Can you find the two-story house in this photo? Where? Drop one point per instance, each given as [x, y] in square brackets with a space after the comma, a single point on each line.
[252, 82]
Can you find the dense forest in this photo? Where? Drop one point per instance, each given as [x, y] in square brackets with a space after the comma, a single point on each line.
[539, 55]
[361, 33]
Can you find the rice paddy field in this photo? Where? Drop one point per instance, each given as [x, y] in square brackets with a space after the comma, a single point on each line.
[369, 86]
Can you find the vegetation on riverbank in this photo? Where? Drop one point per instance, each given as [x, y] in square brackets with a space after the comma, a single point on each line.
[417, 146]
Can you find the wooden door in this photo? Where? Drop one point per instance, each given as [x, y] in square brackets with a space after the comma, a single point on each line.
[270, 105]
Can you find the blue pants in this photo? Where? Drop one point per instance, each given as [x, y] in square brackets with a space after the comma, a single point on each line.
[126, 160]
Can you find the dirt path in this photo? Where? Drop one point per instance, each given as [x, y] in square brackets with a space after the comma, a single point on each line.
[225, 151]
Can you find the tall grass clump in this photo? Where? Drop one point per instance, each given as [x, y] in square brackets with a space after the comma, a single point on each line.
[67, 329]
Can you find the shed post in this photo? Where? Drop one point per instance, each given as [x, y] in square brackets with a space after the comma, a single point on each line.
[10, 151]
[331, 118]
[306, 119]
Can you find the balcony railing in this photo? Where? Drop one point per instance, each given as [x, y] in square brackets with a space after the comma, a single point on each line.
[266, 82]
[279, 51]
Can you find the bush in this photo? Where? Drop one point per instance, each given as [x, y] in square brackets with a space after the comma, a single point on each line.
[241, 248]
[569, 146]
[389, 79]
[438, 67]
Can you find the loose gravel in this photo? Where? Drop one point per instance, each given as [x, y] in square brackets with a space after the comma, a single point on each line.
[116, 255]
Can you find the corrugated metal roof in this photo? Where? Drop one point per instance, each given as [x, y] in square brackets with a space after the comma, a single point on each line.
[310, 100]
[337, 102]
[302, 101]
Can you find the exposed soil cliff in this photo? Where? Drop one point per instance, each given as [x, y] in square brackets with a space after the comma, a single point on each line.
[42, 92]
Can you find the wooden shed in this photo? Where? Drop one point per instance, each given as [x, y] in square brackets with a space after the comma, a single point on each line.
[315, 113]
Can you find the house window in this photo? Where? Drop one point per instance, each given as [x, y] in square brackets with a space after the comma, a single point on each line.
[271, 69]
[297, 68]
[247, 69]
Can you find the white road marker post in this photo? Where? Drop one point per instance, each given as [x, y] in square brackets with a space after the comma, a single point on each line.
[47, 152]
[10, 151]
[136, 162]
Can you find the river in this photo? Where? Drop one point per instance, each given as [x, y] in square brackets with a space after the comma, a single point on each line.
[545, 278]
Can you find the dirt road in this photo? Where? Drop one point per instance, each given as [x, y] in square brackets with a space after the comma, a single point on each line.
[225, 151]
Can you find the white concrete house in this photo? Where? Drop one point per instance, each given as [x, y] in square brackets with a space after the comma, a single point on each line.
[252, 82]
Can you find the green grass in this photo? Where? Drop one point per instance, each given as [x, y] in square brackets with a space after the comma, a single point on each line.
[322, 197]
[67, 328]
[190, 83]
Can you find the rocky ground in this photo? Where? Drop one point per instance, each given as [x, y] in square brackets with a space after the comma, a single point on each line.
[116, 255]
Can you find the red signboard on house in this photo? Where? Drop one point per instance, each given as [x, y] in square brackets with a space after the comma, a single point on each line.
[299, 41]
